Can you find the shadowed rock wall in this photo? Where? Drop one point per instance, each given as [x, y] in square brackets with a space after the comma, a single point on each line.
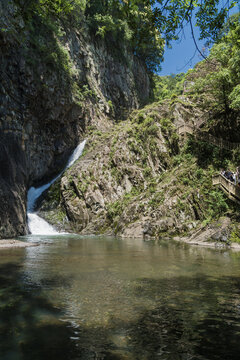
[51, 89]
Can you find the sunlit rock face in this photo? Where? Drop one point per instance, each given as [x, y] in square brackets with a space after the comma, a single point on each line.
[42, 115]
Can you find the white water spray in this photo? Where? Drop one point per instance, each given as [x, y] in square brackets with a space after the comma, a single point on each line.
[36, 225]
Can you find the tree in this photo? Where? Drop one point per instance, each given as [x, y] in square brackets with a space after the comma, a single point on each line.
[148, 25]
[168, 86]
[145, 26]
[217, 79]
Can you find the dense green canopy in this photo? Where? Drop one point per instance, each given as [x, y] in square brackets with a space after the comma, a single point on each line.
[145, 26]
[216, 79]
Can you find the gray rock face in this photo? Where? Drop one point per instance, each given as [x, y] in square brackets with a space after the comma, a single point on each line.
[217, 234]
[98, 193]
[129, 182]
[45, 108]
[12, 186]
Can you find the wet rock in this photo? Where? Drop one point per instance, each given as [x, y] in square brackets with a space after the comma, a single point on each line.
[13, 177]
[217, 232]
[135, 230]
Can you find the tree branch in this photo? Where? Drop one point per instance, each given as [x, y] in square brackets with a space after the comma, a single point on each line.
[195, 42]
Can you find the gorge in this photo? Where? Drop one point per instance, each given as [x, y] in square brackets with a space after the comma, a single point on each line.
[60, 83]
[46, 103]
[110, 175]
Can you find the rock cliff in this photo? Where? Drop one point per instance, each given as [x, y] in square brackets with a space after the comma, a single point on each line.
[140, 179]
[53, 86]
[130, 182]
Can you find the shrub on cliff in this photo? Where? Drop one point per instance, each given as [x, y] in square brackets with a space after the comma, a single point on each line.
[217, 78]
[144, 26]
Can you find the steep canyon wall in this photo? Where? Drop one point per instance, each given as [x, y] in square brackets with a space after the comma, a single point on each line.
[52, 88]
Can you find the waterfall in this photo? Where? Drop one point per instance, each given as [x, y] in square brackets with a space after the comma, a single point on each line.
[36, 225]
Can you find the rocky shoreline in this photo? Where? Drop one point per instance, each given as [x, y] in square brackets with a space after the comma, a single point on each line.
[12, 243]
[216, 245]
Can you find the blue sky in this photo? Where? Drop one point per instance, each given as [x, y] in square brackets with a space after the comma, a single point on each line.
[181, 57]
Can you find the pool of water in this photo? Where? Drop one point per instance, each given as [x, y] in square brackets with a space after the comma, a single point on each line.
[89, 297]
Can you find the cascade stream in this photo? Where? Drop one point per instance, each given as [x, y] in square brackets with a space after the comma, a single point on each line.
[36, 225]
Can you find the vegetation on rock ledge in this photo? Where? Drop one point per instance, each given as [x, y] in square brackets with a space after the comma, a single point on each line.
[143, 26]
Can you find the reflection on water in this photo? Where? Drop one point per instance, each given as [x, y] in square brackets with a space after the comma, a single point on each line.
[102, 298]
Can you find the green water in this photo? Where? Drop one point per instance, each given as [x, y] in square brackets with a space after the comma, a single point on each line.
[102, 298]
